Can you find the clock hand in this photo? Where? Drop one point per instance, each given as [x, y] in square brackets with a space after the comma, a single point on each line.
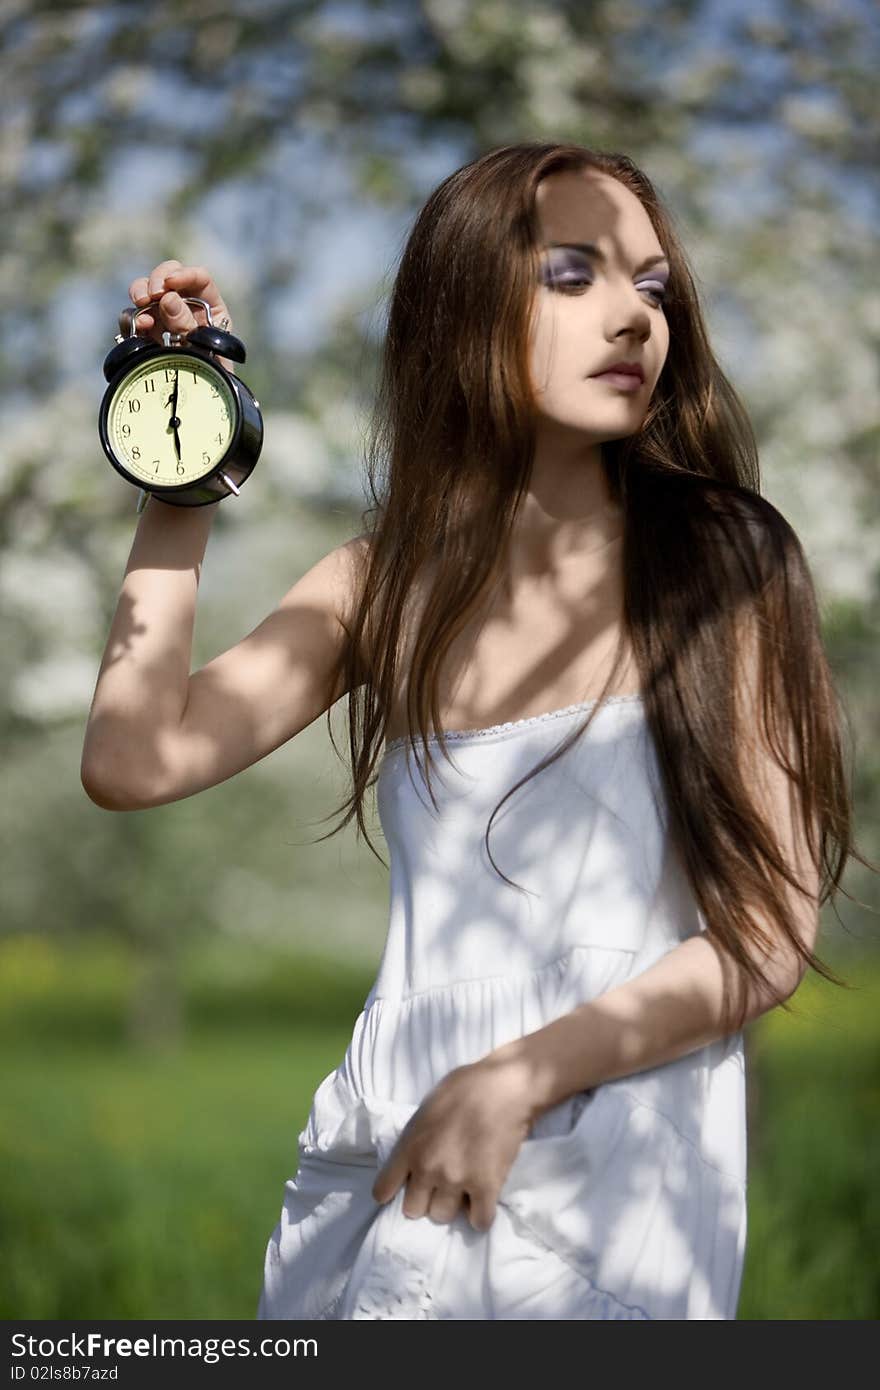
[174, 422]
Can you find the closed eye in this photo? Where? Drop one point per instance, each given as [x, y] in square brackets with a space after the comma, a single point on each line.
[574, 282]
[563, 268]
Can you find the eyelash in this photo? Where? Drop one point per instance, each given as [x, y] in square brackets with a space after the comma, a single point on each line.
[661, 294]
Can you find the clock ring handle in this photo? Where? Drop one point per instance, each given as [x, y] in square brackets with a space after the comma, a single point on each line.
[132, 313]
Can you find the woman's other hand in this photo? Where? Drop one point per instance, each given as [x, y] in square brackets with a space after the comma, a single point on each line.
[460, 1144]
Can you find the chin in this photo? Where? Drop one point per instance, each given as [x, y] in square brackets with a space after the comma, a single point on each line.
[593, 427]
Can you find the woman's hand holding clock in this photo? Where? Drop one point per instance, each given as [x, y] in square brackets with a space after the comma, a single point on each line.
[176, 419]
[169, 285]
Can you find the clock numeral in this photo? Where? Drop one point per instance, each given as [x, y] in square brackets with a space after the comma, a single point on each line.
[180, 468]
[169, 374]
[195, 375]
[219, 438]
[134, 406]
[215, 394]
[206, 457]
[157, 462]
[149, 385]
[135, 453]
[126, 430]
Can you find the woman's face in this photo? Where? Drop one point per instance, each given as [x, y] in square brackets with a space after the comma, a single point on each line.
[591, 310]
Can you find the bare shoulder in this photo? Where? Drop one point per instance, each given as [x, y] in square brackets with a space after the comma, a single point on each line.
[335, 580]
[757, 544]
[348, 568]
[339, 579]
[353, 557]
[742, 513]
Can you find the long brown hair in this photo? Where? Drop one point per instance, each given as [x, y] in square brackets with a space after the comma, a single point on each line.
[711, 569]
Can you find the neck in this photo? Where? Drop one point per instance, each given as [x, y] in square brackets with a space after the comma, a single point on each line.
[566, 514]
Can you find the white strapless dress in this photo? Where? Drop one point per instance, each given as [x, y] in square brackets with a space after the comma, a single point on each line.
[626, 1201]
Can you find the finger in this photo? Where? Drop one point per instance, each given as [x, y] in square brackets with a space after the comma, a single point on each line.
[156, 278]
[175, 313]
[143, 325]
[141, 291]
[445, 1205]
[138, 293]
[417, 1197]
[196, 281]
[138, 290]
[389, 1179]
[481, 1211]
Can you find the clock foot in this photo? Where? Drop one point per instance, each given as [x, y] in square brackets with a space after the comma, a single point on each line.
[230, 484]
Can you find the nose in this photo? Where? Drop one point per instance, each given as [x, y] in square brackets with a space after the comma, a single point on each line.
[623, 308]
[632, 319]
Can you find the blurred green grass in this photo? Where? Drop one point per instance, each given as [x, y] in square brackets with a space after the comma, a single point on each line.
[145, 1183]
[814, 1153]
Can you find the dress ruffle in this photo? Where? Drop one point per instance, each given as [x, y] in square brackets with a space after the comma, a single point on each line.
[611, 1209]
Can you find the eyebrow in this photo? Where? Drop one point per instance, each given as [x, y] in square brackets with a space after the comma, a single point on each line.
[590, 250]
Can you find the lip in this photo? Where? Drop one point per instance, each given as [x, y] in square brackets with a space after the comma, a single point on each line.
[624, 381]
[622, 369]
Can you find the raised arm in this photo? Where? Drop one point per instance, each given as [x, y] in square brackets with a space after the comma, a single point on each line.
[156, 733]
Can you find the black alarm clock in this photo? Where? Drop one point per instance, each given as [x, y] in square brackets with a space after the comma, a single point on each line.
[173, 420]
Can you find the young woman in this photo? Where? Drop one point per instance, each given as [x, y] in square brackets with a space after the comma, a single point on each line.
[572, 621]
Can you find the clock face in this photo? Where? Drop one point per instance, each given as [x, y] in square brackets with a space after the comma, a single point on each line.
[171, 420]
